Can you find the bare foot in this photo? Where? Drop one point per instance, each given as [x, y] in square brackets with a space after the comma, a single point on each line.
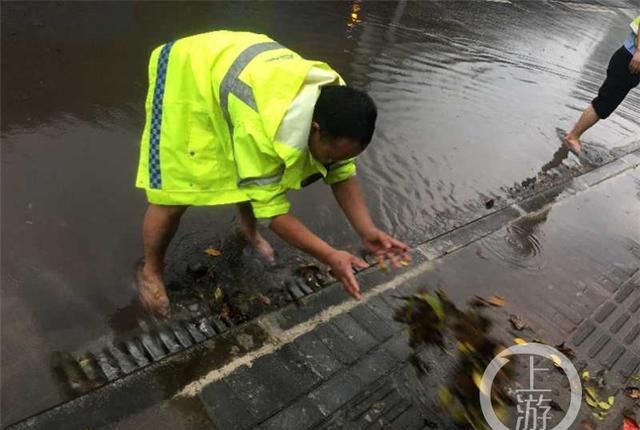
[573, 143]
[151, 292]
[263, 247]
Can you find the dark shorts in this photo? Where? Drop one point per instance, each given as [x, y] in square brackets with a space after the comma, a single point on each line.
[617, 85]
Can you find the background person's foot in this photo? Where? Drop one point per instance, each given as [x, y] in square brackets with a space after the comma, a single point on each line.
[573, 143]
[151, 293]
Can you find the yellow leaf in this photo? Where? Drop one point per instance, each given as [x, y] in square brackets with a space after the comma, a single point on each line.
[404, 263]
[497, 301]
[556, 360]
[591, 402]
[445, 396]
[520, 341]
[212, 252]
[611, 400]
[218, 294]
[591, 393]
[599, 416]
[585, 375]
[604, 405]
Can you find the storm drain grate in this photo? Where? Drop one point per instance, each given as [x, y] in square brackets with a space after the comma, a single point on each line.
[151, 344]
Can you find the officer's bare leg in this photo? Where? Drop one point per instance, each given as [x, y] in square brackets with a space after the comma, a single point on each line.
[160, 224]
[588, 118]
[248, 227]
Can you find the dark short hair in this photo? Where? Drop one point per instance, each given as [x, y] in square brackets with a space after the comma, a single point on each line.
[346, 112]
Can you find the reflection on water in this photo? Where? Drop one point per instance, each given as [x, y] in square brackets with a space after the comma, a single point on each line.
[469, 93]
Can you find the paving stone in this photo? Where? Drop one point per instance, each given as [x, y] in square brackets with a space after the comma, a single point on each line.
[335, 392]
[378, 327]
[409, 419]
[225, 410]
[632, 334]
[630, 363]
[261, 400]
[613, 356]
[603, 339]
[337, 343]
[619, 323]
[317, 355]
[355, 333]
[399, 347]
[312, 306]
[625, 292]
[301, 415]
[373, 366]
[285, 373]
[604, 312]
[383, 309]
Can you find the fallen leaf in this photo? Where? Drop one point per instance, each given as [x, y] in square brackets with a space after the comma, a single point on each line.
[556, 360]
[591, 393]
[218, 294]
[591, 402]
[563, 348]
[517, 323]
[632, 392]
[212, 252]
[404, 263]
[497, 301]
[635, 377]
[585, 375]
[599, 416]
[264, 299]
[520, 341]
[604, 405]
[611, 400]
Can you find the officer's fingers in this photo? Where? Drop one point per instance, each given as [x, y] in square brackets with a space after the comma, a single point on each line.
[357, 262]
[397, 244]
[351, 285]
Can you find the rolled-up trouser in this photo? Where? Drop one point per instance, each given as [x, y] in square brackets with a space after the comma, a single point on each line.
[617, 85]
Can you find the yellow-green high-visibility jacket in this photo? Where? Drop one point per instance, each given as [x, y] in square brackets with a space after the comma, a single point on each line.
[214, 107]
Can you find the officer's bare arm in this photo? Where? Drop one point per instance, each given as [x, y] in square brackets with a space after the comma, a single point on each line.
[349, 195]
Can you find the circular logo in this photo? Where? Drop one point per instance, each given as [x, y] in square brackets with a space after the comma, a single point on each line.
[541, 350]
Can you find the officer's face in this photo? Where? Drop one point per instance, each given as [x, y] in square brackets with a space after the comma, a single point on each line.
[327, 149]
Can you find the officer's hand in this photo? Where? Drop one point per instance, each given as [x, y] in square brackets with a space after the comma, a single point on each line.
[634, 65]
[342, 264]
[385, 247]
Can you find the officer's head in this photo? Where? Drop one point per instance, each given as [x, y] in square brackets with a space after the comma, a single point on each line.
[343, 122]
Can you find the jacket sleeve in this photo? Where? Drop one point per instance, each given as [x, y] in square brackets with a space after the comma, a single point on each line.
[260, 171]
[340, 171]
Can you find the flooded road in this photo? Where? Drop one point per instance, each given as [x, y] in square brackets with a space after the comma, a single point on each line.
[470, 95]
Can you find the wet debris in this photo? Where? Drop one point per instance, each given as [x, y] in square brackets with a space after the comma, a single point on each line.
[517, 323]
[432, 317]
[479, 302]
[213, 252]
[563, 348]
[632, 392]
